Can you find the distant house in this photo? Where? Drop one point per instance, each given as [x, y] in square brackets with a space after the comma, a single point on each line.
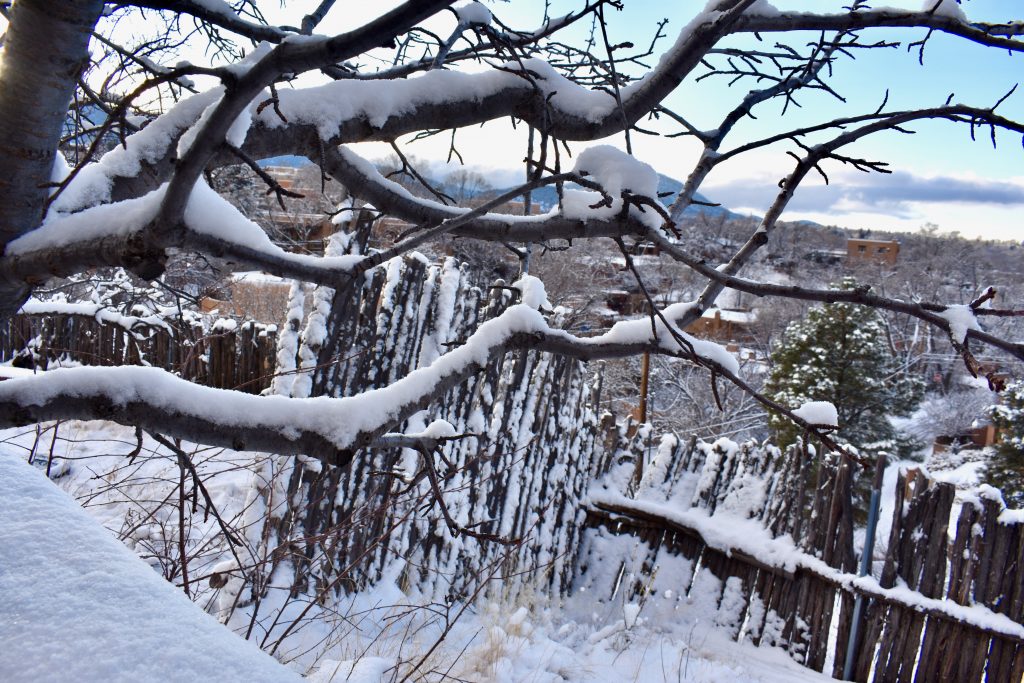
[872, 251]
[301, 232]
[297, 231]
[724, 324]
[387, 229]
[625, 302]
[826, 257]
[980, 436]
[286, 176]
[251, 296]
[516, 207]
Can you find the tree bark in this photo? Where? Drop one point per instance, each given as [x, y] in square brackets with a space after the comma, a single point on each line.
[46, 47]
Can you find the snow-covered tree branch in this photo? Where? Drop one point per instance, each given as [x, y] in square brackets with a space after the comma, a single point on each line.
[314, 96]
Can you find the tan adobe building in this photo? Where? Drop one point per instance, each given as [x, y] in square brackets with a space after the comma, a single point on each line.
[875, 251]
[724, 324]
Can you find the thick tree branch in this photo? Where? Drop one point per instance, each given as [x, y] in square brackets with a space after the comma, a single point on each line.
[523, 93]
[328, 429]
[289, 57]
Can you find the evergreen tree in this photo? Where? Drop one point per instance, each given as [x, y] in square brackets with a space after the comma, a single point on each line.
[837, 353]
[1006, 468]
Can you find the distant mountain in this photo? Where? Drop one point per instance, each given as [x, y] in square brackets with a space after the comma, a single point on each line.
[547, 197]
[666, 184]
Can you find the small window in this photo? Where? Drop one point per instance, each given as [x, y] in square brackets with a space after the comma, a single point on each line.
[883, 250]
[862, 248]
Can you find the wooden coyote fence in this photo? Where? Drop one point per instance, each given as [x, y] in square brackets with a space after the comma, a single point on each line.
[940, 609]
[529, 424]
[227, 356]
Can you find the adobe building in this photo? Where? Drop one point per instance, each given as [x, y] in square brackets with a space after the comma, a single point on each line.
[872, 251]
[731, 325]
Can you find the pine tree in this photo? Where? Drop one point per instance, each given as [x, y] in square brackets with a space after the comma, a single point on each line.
[838, 353]
[1006, 468]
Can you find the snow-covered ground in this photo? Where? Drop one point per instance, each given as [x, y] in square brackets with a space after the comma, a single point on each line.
[77, 581]
[553, 643]
[77, 605]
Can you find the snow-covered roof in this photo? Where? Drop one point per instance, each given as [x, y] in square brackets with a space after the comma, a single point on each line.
[739, 317]
[257, 276]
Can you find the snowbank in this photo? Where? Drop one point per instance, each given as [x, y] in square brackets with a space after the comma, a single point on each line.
[80, 606]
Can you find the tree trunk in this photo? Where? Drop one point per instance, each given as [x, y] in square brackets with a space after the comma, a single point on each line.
[46, 47]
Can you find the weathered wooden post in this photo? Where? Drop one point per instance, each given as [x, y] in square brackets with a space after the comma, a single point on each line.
[865, 565]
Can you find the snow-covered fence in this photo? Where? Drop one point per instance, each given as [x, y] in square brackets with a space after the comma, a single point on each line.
[227, 355]
[526, 431]
[980, 569]
[729, 528]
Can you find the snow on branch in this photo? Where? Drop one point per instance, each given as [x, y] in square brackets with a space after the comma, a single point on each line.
[148, 149]
[330, 429]
[997, 35]
[83, 230]
[354, 110]
[212, 225]
[960, 319]
[98, 312]
[107, 233]
[578, 220]
[818, 413]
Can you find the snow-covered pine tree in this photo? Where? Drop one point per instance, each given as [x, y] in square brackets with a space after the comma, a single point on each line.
[837, 353]
[1006, 468]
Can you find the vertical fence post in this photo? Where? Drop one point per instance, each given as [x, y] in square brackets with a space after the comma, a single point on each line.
[865, 565]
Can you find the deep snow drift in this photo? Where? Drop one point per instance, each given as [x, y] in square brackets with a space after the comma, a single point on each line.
[78, 605]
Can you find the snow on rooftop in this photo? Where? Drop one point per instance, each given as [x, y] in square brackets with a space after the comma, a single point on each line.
[78, 605]
[740, 317]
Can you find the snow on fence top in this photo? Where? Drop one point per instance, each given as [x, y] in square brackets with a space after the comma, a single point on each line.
[773, 534]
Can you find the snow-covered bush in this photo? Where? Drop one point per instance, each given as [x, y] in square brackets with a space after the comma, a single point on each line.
[1006, 468]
